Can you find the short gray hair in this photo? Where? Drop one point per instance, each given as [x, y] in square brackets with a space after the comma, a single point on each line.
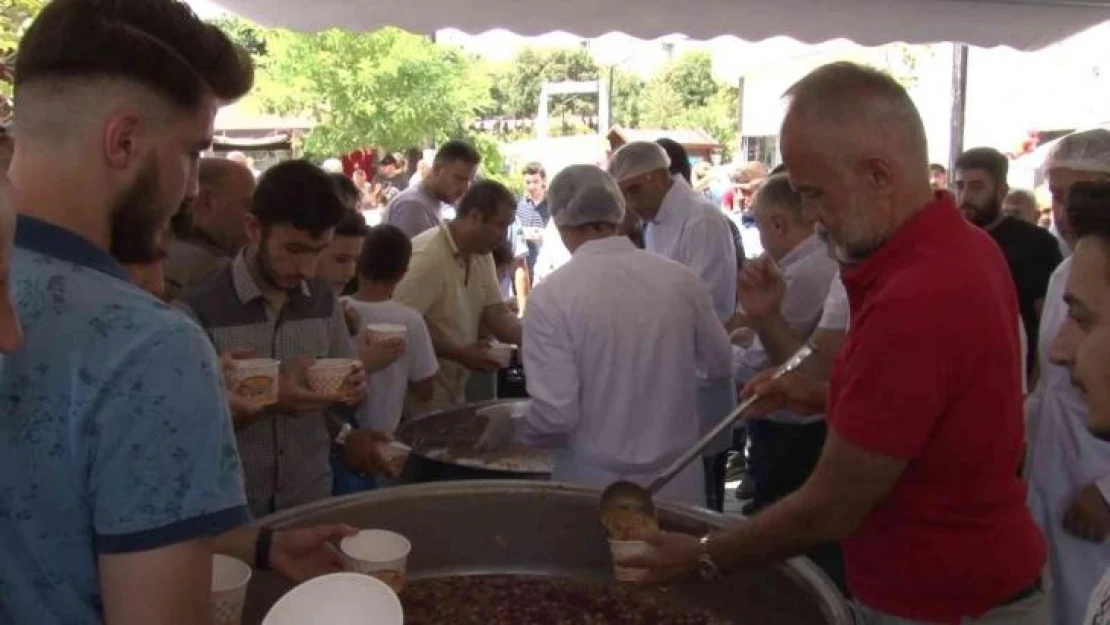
[777, 193]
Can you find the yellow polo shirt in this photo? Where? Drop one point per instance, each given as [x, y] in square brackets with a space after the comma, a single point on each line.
[450, 294]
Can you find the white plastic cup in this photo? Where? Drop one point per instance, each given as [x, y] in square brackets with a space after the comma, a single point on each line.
[256, 380]
[229, 589]
[338, 599]
[625, 549]
[379, 553]
[328, 375]
[380, 332]
[502, 353]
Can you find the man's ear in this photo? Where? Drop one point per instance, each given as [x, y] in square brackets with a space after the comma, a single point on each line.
[124, 134]
[253, 228]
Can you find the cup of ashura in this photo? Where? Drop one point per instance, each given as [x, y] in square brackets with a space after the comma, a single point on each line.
[256, 380]
[378, 553]
[385, 332]
[329, 375]
[229, 589]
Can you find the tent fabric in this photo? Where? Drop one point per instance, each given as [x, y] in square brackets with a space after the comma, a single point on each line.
[1021, 24]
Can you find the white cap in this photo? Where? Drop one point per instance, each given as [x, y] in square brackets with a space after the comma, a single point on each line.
[1087, 151]
[333, 166]
[636, 159]
[584, 194]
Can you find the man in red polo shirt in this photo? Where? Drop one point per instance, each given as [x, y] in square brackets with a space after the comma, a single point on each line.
[918, 478]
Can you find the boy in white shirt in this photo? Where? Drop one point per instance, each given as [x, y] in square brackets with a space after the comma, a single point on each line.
[384, 261]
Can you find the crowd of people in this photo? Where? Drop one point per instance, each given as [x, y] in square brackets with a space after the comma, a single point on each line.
[943, 456]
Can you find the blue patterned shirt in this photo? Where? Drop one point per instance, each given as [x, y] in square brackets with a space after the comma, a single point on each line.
[115, 435]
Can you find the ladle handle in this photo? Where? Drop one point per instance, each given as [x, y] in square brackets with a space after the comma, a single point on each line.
[666, 476]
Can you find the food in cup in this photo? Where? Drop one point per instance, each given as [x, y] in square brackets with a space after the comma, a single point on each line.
[330, 375]
[379, 553]
[255, 379]
[384, 332]
[624, 549]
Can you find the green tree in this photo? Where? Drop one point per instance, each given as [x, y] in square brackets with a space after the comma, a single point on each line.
[15, 17]
[388, 88]
[627, 94]
[532, 67]
[685, 95]
[690, 77]
[247, 34]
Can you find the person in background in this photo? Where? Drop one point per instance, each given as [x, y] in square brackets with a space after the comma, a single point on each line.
[504, 263]
[918, 476]
[687, 228]
[417, 209]
[244, 161]
[452, 284]
[338, 264]
[605, 392]
[745, 182]
[348, 190]
[269, 302]
[389, 181]
[680, 167]
[783, 447]
[516, 284]
[938, 177]
[384, 262]
[118, 465]
[532, 212]
[1068, 469]
[1022, 205]
[1031, 253]
[554, 253]
[217, 232]
[1080, 345]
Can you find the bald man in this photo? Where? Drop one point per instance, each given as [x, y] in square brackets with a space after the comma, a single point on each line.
[918, 475]
[218, 231]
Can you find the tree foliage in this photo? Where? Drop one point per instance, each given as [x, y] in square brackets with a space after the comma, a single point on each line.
[15, 17]
[521, 83]
[686, 95]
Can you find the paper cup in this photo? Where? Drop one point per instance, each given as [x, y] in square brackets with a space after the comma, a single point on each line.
[338, 599]
[229, 589]
[502, 353]
[624, 549]
[378, 553]
[387, 331]
[328, 375]
[256, 380]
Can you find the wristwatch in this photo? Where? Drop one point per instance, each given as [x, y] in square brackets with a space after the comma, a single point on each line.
[707, 568]
[344, 432]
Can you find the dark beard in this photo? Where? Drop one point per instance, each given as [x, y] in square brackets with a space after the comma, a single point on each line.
[262, 262]
[983, 216]
[136, 221]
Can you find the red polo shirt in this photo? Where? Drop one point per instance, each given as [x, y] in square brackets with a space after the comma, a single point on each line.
[930, 373]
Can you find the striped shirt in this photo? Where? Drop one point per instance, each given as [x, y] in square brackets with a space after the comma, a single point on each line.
[285, 457]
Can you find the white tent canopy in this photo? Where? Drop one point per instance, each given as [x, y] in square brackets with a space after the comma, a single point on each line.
[1022, 24]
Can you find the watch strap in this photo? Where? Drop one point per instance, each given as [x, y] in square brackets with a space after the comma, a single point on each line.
[263, 544]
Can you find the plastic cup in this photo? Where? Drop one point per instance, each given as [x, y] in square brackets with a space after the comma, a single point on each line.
[380, 332]
[625, 549]
[328, 375]
[256, 380]
[338, 599]
[229, 589]
[502, 353]
[379, 553]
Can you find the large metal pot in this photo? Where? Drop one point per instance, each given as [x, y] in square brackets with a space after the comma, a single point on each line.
[461, 426]
[515, 527]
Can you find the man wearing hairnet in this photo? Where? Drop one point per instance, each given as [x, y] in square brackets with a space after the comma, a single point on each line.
[1069, 469]
[605, 335]
[686, 227]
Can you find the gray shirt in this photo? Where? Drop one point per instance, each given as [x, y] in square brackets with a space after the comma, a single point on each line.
[285, 456]
[189, 262]
[413, 211]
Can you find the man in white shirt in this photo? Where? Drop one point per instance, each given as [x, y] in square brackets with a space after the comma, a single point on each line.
[1068, 469]
[611, 336]
[1081, 347]
[687, 228]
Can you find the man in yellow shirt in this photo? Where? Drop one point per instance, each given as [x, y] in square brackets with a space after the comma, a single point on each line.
[451, 281]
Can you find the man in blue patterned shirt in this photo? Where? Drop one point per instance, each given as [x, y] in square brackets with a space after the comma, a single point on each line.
[117, 457]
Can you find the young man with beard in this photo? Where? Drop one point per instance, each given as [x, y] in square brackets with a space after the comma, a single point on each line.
[118, 460]
[1031, 252]
[1082, 344]
[269, 302]
[417, 209]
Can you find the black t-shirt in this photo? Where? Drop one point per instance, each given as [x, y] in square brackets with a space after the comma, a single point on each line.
[1032, 254]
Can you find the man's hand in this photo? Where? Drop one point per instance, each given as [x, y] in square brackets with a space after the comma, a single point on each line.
[742, 337]
[476, 357]
[353, 391]
[760, 288]
[363, 453]
[377, 354]
[498, 433]
[294, 396]
[243, 410]
[1088, 516]
[302, 554]
[795, 392]
[673, 557]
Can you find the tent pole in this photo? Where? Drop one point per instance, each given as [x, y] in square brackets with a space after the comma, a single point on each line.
[959, 103]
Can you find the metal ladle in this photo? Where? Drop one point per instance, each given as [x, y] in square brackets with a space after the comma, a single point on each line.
[624, 495]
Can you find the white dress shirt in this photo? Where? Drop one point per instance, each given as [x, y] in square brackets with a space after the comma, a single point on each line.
[611, 341]
[808, 272]
[1064, 457]
[553, 254]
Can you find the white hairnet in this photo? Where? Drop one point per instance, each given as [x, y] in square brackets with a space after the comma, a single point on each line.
[584, 194]
[1081, 151]
[333, 166]
[636, 159]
